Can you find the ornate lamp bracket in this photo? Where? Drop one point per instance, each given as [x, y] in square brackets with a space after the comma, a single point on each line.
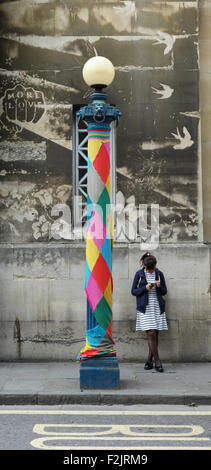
[99, 111]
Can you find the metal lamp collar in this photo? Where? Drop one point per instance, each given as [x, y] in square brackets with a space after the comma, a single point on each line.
[99, 111]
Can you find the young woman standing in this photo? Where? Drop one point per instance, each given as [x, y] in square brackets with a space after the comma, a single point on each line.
[149, 287]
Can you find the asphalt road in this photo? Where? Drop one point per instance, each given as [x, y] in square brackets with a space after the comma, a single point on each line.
[109, 428]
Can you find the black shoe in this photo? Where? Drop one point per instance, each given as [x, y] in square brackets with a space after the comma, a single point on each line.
[159, 367]
[148, 365]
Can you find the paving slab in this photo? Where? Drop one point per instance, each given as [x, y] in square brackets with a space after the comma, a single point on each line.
[56, 383]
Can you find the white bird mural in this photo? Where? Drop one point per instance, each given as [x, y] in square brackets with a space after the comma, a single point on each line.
[185, 141]
[165, 38]
[165, 93]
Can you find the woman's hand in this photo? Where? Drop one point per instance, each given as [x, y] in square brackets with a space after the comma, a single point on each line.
[157, 283]
[148, 286]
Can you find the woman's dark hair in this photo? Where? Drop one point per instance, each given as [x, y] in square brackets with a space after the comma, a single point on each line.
[148, 261]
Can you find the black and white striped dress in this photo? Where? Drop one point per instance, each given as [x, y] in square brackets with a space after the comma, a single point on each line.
[151, 319]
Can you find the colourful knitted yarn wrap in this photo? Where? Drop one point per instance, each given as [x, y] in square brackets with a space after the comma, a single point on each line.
[99, 240]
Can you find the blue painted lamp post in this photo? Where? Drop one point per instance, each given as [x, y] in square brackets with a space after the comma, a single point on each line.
[99, 365]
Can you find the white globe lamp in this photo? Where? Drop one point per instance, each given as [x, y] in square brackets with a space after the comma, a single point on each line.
[98, 72]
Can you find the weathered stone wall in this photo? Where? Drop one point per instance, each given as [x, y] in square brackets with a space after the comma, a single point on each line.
[43, 304]
[154, 46]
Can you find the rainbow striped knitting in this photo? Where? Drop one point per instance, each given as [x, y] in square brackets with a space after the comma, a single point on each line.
[99, 240]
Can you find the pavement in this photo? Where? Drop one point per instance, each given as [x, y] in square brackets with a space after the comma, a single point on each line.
[57, 383]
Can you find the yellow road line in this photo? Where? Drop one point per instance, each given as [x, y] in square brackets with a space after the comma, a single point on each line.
[124, 429]
[38, 443]
[112, 413]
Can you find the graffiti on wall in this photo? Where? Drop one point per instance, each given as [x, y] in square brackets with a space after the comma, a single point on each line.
[155, 52]
[22, 104]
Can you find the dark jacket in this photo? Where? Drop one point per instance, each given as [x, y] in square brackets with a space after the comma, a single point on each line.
[140, 291]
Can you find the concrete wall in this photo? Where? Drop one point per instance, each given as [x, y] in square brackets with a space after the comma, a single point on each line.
[43, 305]
[160, 160]
[205, 105]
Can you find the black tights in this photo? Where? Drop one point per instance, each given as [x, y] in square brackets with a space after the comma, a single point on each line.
[152, 336]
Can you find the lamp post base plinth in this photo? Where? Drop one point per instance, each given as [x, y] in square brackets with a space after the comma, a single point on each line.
[100, 373]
